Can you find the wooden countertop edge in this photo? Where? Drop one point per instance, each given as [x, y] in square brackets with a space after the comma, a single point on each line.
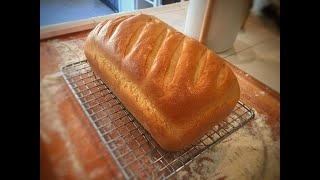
[51, 31]
[61, 29]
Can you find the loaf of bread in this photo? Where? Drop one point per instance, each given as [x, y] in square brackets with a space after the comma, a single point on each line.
[172, 84]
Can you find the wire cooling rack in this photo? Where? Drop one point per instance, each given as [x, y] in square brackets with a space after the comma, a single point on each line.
[133, 149]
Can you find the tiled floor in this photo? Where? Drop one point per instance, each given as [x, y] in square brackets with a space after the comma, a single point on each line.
[261, 57]
[58, 11]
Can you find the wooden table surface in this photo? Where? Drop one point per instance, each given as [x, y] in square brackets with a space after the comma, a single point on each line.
[70, 148]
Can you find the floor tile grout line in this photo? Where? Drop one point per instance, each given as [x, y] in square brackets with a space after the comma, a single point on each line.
[251, 46]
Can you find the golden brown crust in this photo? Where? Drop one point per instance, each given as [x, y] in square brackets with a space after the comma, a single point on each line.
[175, 87]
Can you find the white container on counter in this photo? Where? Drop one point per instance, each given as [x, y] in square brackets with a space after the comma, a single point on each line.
[224, 20]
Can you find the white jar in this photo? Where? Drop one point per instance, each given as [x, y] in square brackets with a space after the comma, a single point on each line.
[226, 19]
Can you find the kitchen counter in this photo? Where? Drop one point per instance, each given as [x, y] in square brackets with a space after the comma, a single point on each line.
[71, 148]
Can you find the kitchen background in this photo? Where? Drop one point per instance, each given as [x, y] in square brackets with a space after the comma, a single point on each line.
[59, 11]
[256, 49]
